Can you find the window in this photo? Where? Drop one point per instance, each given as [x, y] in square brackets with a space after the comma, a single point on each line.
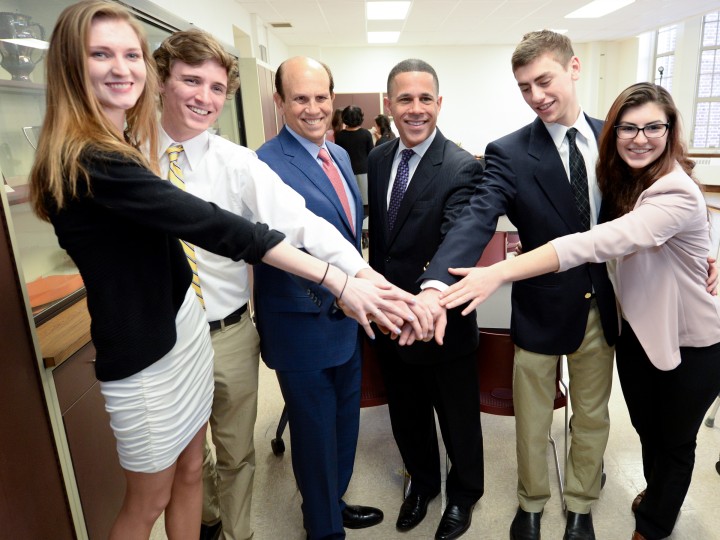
[665, 56]
[706, 132]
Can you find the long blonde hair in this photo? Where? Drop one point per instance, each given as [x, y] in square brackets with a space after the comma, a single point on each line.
[74, 119]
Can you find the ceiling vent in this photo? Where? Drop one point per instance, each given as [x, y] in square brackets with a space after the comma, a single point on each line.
[281, 25]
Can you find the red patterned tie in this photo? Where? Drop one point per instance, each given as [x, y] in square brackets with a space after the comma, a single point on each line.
[337, 183]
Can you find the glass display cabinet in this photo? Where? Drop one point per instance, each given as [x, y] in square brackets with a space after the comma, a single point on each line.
[59, 457]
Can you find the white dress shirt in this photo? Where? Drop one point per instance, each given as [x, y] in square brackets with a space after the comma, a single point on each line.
[233, 177]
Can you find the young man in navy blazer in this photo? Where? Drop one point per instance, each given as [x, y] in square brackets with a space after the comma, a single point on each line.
[571, 313]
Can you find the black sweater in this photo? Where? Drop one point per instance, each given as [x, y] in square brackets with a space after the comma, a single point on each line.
[358, 144]
[122, 235]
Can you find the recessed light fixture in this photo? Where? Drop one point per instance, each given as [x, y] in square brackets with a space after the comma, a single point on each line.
[383, 37]
[386, 11]
[598, 8]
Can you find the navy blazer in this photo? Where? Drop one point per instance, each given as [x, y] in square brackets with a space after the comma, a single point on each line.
[525, 179]
[440, 188]
[300, 329]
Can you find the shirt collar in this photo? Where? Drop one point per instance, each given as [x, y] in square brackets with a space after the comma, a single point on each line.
[194, 148]
[558, 131]
[421, 148]
[310, 146]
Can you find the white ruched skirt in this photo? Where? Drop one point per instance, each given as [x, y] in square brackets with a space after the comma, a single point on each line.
[157, 411]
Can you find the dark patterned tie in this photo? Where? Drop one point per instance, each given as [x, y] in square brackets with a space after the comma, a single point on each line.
[399, 187]
[579, 180]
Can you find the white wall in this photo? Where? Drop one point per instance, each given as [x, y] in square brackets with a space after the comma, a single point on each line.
[481, 101]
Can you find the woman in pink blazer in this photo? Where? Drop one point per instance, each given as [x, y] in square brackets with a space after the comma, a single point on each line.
[656, 242]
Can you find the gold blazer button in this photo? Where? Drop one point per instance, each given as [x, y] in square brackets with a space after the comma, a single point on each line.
[588, 295]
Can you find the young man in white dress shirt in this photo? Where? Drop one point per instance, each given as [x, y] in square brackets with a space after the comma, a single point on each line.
[197, 77]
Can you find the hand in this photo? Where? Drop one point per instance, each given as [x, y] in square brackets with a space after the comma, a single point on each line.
[364, 300]
[421, 324]
[477, 285]
[712, 280]
[429, 300]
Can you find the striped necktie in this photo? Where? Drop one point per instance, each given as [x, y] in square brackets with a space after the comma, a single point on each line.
[175, 175]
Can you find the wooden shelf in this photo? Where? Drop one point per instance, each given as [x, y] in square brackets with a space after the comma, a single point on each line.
[65, 334]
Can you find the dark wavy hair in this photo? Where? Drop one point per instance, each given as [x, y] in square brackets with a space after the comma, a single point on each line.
[619, 183]
[352, 116]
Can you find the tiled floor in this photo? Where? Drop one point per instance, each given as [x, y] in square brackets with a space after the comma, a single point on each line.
[377, 481]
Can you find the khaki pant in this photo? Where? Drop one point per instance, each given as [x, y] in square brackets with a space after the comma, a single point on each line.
[590, 369]
[228, 482]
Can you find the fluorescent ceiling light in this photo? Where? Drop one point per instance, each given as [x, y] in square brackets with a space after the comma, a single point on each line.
[383, 37]
[387, 11]
[28, 42]
[598, 8]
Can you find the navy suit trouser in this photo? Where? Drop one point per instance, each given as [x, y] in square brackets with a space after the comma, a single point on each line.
[324, 417]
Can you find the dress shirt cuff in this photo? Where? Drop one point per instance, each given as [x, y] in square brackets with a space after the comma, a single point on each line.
[433, 284]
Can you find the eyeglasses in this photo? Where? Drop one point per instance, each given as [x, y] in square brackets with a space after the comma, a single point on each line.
[651, 131]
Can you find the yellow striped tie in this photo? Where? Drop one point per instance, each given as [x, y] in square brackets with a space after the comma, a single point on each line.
[175, 175]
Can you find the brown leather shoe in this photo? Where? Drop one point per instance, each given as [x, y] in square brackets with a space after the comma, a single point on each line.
[637, 500]
[637, 536]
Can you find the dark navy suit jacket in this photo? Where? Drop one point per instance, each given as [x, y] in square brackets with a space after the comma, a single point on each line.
[525, 179]
[300, 328]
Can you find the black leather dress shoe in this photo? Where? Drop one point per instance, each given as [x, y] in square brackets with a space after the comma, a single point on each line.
[455, 521]
[360, 517]
[210, 532]
[579, 527]
[525, 525]
[412, 511]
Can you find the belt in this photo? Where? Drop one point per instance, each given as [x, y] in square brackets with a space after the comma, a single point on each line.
[233, 318]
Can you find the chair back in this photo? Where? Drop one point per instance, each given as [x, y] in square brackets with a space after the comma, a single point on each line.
[495, 357]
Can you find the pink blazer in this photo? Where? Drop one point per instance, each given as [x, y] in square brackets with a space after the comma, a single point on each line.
[660, 252]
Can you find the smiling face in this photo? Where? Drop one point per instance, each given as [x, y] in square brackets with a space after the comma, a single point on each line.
[641, 151]
[193, 98]
[307, 106]
[549, 88]
[116, 67]
[414, 105]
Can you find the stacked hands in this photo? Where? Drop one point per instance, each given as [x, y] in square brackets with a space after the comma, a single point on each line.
[369, 297]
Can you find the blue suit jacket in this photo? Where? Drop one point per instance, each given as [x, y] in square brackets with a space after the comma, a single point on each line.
[525, 179]
[299, 327]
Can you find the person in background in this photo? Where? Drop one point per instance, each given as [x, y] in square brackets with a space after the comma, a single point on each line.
[315, 353]
[418, 185]
[120, 224]
[197, 77]
[382, 128]
[656, 244]
[357, 142]
[336, 125]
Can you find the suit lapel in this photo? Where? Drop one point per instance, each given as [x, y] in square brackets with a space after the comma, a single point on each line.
[551, 176]
[311, 169]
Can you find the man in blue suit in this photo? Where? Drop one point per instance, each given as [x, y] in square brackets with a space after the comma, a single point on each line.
[315, 353]
[571, 313]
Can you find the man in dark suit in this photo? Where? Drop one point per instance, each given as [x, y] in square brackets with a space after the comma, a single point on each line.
[572, 313]
[315, 353]
[417, 185]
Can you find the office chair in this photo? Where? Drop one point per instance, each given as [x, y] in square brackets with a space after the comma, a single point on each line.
[495, 357]
[372, 393]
